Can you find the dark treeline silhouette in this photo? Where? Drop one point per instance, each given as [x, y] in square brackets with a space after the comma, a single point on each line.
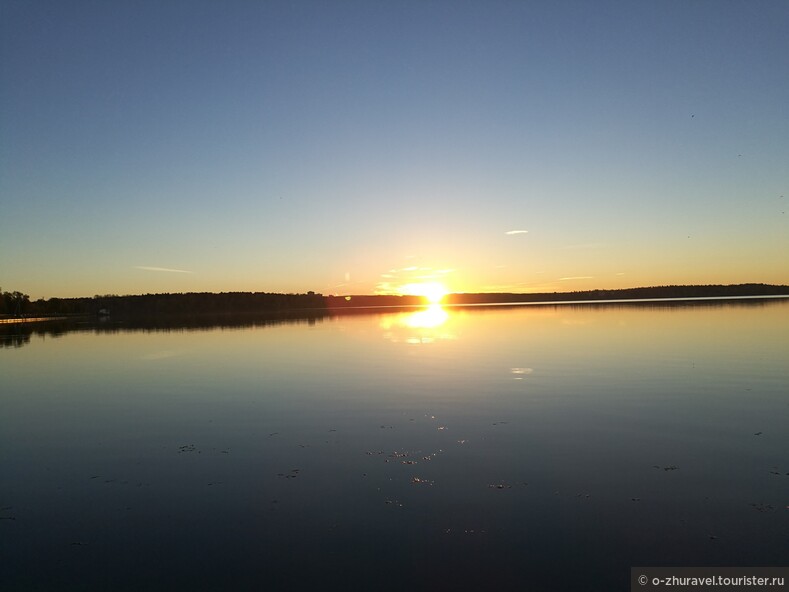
[206, 303]
[708, 291]
[14, 303]
[154, 305]
[151, 306]
[375, 301]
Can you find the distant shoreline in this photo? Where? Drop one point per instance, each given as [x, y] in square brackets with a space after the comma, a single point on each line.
[626, 300]
[312, 304]
[686, 292]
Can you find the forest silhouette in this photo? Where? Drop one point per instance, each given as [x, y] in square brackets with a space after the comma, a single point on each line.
[17, 304]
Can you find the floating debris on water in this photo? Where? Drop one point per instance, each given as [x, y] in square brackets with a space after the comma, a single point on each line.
[465, 531]
[433, 455]
[760, 507]
[499, 486]
[420, 481]
[187, 448]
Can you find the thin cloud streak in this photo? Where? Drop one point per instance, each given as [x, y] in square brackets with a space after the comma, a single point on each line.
[147, 268]
[577, 277]
[395, 279]
[511, 232]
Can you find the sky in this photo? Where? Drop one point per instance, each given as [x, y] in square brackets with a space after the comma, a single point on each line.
[361, 147]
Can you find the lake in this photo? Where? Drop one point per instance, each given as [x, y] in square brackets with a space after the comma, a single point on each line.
[547, 447]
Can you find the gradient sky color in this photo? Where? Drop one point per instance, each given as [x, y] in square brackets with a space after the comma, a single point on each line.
[356, 147]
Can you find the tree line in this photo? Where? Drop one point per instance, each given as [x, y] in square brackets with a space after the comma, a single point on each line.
[209, 303]
[192, 303]
[691, 291]
[14, 303]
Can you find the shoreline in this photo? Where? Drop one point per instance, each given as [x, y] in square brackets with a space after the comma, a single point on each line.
[338, 310]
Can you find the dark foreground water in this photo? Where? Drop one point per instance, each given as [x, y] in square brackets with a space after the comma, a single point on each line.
[532, 448]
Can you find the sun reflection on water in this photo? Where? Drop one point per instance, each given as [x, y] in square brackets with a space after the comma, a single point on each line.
[430, 318]
[427, 325]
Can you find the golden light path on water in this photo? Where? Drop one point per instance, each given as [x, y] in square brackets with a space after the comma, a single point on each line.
[430, 318]
[422, 326]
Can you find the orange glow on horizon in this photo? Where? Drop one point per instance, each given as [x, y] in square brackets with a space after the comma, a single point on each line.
[433, 292]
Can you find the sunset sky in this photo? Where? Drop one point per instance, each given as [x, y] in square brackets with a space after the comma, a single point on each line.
[358, 147]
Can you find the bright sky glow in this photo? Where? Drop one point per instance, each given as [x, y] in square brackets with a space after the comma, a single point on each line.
[433, 292]
[360, 147]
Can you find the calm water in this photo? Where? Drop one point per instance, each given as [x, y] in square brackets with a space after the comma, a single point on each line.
[532, 448]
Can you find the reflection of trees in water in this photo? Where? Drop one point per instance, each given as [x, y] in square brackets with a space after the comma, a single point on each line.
[14, 339]
[19, 334]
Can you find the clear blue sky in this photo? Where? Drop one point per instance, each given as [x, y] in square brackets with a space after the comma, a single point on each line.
[354, 147]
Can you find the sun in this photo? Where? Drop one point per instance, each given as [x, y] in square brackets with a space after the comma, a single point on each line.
[433, 292]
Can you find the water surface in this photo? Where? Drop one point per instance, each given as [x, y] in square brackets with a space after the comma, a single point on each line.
[538, 447]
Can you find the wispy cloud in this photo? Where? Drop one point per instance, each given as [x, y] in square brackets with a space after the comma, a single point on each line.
[511, 232]
[395, 280]
[147, 268]
[577, 277]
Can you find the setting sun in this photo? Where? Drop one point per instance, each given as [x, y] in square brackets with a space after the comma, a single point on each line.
[433, 292]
